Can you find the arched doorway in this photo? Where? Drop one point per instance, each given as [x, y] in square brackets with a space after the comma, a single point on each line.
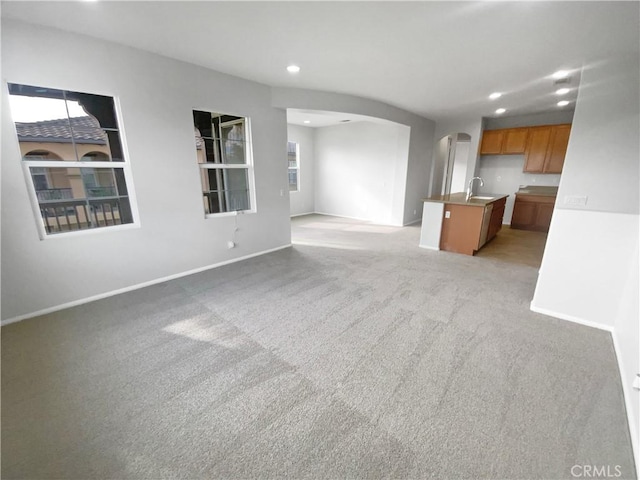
[451, 163]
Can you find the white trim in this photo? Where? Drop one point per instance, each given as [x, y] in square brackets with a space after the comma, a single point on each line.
[137, 286]
[426, 247]
[628, 400]
[232, 213]
[90, 231]
[74, 164]
[570, 318]
[301, 214]
[220, 166]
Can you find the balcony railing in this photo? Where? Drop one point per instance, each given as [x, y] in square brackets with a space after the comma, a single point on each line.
[54, 194]
[101, 191]
[85, 213]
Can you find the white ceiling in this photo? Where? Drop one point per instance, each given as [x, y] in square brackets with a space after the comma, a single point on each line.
[437, 59]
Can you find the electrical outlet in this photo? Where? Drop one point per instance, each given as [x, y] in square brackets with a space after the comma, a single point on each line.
[447, 214]
[414, 212]
[576, 200]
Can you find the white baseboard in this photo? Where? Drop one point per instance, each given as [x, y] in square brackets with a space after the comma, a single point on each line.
[626, 388]
[427, 247]
[301, 214]
[136, 286]
[570, 318]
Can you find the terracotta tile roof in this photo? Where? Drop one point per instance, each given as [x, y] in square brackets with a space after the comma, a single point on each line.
[85, 130]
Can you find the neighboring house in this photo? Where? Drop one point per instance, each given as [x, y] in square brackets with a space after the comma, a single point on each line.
[66, 197]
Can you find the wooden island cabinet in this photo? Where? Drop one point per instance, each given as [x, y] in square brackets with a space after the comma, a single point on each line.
[467, 227]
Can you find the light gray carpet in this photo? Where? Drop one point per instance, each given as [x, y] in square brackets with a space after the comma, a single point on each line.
[353, 354]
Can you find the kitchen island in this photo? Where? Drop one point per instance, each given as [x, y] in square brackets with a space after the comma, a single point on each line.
[457, 224]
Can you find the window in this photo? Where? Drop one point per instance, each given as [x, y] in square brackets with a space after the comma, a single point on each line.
[293, 156]
[223, 149]
[72, 157]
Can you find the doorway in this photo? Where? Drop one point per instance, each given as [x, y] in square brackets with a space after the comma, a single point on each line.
[451, 164]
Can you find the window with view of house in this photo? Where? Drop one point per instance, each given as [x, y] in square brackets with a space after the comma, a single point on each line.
[293, 158]
[73, 158]
[223, 149]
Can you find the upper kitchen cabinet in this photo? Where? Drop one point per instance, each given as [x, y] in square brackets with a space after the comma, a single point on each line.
[546, 148]
[557, 149]
[515, 141]
[537, 146]
[492, 141]
[506, 141]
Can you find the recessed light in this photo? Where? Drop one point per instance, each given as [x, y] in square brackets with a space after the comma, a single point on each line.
[293, 69]
[561, 74]
[500, 111]
[563, 103]
[563, 91]
[307, 121]
[495, 95]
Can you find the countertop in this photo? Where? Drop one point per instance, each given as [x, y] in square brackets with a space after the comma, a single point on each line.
[461, 199]
[538, 190]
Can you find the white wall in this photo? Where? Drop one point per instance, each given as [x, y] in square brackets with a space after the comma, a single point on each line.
[543, 118]
[303, 201]
[411, 185]
[592, 251]
[626, 336]
[358, 165]
[156, 97]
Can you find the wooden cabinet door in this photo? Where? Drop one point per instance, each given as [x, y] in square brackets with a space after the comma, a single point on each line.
[533, 212]
[537, 146]
[515, 141]
[492, 142]
[524, 214]
[543, 217]
[554, 160]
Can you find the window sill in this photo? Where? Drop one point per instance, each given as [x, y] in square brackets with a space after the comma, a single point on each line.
[229, 214]
[88, 231]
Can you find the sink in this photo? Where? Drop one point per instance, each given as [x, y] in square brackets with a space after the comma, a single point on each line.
[479, 197]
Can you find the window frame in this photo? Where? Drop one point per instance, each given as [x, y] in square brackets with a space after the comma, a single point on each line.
[248, 166]
[124, 165]
[296, 168]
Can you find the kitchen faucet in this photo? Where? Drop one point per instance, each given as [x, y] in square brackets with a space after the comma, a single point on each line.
[470, 187]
